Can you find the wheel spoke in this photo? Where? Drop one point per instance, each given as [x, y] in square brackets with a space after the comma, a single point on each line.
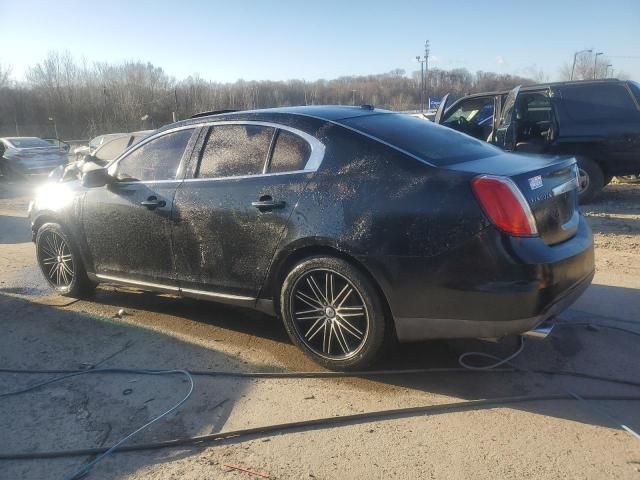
[316, 330]
[340, 338]
[331, 288]
[307, 299]
[66, 268]
[316, 290]
[344, 298]
[325, 349]
[304, 312]
[350, 328]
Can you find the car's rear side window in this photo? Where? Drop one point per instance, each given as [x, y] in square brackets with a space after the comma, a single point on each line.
[235, 150]
[290, 153]
[431, 142]
[597, 102]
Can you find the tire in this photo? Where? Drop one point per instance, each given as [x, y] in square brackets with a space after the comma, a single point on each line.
[591, 179]
[319, 322]
[60, 262]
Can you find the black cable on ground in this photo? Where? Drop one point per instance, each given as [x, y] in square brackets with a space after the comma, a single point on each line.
[109, 450]
[322, 422]
[326, 422]
[360, 374]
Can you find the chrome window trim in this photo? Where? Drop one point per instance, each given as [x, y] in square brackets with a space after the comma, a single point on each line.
[372, 137]
[244, 177]
[313, 163]
[113, 166]
[315, 157]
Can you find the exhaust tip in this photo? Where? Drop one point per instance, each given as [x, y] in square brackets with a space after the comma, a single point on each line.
[541, 331]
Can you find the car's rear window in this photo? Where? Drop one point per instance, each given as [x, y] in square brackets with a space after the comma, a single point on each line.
[28, 142]
[431, 142]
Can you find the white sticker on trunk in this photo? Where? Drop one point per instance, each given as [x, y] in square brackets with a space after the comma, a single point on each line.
[535, 182]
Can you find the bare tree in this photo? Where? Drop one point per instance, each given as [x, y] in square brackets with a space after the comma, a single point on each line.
[87, 99]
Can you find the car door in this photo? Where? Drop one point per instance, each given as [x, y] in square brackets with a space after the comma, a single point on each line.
[230, 217]
[506, 129]
[127, 223]
[441, 108]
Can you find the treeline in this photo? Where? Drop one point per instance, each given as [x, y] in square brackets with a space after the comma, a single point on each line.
[70, 99]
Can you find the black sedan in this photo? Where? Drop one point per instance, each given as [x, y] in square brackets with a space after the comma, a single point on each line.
[355, 225]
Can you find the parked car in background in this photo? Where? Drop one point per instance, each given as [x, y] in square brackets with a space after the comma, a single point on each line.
[94, 144]
[598, 122]
[22, 156]
[62, 145]
[108, 149]
[355, 225]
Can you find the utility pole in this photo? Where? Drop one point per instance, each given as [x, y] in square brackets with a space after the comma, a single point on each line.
[424, 66]
[353, 97]
[175, 101]
[426, 71]
[595, 64]
[575, 55]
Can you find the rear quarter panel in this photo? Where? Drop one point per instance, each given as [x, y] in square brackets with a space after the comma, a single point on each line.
[372, 202]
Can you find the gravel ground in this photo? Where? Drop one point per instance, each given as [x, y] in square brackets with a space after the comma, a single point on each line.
[560, 439]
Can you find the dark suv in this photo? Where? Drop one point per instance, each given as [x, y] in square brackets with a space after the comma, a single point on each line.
[597, 121]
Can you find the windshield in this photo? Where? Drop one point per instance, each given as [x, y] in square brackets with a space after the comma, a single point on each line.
[28, 142]
[427, 140]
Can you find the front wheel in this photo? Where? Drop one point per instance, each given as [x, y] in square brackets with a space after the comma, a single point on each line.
[334, 313]
[60, 262]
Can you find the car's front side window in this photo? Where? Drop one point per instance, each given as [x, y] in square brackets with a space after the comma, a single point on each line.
[235, 150]
[474, 110]
[158, 159]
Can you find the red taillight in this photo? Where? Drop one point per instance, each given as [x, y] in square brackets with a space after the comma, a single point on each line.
[505, 205]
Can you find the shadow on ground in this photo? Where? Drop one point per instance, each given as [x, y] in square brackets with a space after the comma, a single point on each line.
[97, 410]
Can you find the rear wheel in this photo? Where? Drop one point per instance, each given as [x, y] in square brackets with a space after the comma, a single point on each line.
[334, 313]
[60, 262]
[590, 179]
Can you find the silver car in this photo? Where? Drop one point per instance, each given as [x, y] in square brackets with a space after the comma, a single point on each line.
[20, 156]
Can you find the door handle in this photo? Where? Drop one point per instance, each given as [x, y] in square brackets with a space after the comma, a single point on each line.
[266, 203]
[152, 203]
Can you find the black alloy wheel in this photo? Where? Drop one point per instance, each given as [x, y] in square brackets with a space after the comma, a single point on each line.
[60, 262]
[333, 313]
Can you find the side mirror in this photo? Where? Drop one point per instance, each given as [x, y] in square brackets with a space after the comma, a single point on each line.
[98, 177]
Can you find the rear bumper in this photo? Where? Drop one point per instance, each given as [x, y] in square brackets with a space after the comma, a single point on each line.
[416, 329]
[492, 285]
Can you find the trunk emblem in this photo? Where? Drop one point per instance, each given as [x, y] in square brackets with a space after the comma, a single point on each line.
[535, 182]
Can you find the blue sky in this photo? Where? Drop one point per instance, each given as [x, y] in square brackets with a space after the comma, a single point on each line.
[276, 40]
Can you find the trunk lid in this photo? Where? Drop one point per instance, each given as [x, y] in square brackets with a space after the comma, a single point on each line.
[549, 185]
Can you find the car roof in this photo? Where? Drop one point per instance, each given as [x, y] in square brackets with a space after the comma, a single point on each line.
[330, 113]
[539, 86]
